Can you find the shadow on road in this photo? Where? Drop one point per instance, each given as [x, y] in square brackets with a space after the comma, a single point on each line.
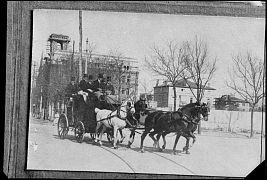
[108, 144]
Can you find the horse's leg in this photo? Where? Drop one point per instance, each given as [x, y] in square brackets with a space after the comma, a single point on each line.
[143, 136]
[187, 144]
[98, 125]
[194, 138]
[101, 134]
[175, 142]
[155, 145]
[92, 136]
[122, 136]
[131, 139]
[115, 136]
[164, 139]
[158, 137]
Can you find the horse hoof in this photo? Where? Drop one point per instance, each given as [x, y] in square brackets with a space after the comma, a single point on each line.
[187, 152]
[129, 146]
[184, 149]
[142, 151]
[163, 147]
[174, 153]
[160, 150]
[115, 147]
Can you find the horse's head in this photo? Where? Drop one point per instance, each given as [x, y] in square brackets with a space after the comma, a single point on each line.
[193, 110]
[203, 109]
[125, 108]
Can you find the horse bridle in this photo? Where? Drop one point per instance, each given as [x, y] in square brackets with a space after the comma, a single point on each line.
[191, 120]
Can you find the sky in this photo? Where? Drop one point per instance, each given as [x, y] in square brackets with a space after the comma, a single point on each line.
[134, 34]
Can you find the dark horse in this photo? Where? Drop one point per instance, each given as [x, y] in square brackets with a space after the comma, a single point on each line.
[183, 122]
[191, 118]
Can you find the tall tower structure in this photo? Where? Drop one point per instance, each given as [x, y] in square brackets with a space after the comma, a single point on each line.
[57, 42]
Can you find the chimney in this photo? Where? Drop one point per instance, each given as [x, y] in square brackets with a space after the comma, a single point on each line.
[157, 83]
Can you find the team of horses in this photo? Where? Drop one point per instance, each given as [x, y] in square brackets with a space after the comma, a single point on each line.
[156, 123]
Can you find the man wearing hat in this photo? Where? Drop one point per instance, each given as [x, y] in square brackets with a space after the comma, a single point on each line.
[98, 84]
[85, 86]
[109, 86]
[71, 88]
[139, 106]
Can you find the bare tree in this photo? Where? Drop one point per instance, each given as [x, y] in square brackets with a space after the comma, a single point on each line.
[144, 84]
[90, 48]
[246, 78]
[119, 68]
[199, 68]
[147, 90]
[168, 63]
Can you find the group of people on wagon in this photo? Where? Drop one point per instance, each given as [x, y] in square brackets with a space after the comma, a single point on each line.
[89, 86]
[91, 90]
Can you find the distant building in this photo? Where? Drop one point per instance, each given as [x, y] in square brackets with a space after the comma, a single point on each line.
[229, 102]
[164, 95]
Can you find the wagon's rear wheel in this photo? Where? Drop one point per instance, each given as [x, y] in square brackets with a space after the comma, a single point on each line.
[62, 126]
[79, 131]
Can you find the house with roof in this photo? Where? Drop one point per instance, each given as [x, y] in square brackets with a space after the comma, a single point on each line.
[164, 95]
[229, 102]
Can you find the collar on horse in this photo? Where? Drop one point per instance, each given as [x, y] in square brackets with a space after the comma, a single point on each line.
[187, 118]
[119, 116]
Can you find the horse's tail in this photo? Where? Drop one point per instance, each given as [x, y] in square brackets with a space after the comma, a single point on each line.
[97, 110]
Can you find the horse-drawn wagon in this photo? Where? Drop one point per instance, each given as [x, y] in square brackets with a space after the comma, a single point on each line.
[79, 114]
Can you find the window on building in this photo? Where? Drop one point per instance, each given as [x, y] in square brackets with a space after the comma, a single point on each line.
[123, 79]
[191, 100]
[243, 104]
[122, 91]
[127, 92]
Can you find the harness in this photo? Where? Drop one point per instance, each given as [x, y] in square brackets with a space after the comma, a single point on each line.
[116, 115]
[187, 118]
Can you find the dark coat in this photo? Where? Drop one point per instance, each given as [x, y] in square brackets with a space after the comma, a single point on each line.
[70, 89]
[140, 105]
[96, 84]
[85, 85]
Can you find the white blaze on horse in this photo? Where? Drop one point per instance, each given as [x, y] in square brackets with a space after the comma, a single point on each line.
[111, 119]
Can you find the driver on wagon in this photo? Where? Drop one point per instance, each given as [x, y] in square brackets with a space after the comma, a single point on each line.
[98, 85]
[85, 86]
[139, 106]
[71, 88]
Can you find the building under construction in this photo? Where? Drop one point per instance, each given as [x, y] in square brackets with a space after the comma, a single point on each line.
[61, 62]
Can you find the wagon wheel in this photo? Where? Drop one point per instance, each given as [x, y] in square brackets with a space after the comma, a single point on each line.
[62, 126]
[79, 131]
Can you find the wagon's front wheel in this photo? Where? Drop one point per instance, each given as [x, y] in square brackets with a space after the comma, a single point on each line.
[62, 126]
[79, 131]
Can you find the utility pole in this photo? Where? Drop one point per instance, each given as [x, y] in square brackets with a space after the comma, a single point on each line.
[80, 45]
[72, 59]
[86, 61]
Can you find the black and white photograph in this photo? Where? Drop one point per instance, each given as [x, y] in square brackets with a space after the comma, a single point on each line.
[146, 93]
